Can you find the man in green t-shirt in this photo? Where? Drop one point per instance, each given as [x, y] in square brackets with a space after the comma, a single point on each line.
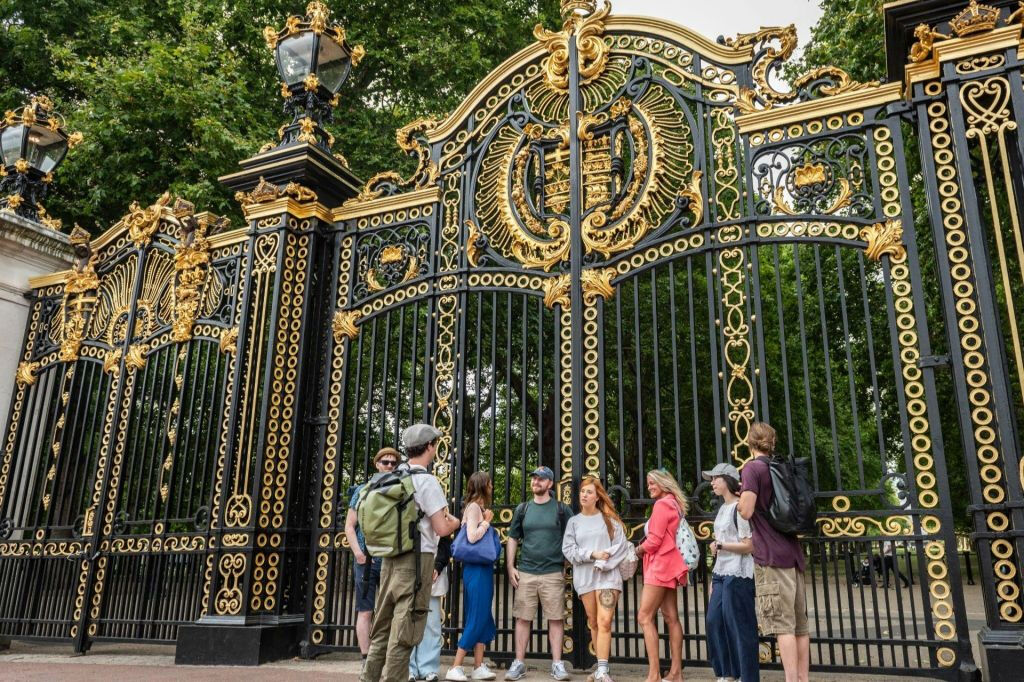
[538, 525]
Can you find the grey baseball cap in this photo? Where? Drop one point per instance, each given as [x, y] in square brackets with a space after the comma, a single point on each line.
[543, 472]
[723, 469]
[419, 434]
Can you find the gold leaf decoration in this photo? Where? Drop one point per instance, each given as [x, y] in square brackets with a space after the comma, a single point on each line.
[696, 197]
[229, 341]
[26, 374]
[884, 239]
[597, 283]
[556, 291]
[112, 362]
[345, 325]
[775, 45]
[264, 192]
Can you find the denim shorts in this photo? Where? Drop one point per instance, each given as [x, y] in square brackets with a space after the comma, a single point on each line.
[366, 594]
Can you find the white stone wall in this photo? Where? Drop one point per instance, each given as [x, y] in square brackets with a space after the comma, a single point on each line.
[27, 249]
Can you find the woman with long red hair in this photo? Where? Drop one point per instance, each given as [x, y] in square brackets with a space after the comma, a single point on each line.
[595, 543]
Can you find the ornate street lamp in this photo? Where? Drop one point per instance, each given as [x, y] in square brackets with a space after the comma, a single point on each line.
[33, 142]
[313, 60]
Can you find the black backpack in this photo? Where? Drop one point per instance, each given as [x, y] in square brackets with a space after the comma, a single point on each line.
[792, 510]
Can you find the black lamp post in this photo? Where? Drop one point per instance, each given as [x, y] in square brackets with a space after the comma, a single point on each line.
[33, 142]
[313, 60]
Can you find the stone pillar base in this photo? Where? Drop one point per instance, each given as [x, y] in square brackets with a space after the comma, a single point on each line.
[1002, 654]
[236, 644]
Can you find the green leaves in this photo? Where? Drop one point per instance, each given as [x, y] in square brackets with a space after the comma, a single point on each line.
[171, 94]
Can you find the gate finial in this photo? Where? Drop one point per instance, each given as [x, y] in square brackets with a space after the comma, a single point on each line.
[580, 8]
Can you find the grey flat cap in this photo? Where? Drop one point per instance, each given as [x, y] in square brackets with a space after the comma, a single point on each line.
[419, 434]
[723, 469]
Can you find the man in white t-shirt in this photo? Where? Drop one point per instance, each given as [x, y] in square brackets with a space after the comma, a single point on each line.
[400, 613]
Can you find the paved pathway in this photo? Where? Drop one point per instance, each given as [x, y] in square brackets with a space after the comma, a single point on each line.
[111, 662]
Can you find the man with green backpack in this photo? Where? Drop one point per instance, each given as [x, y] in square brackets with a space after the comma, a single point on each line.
[402, 515]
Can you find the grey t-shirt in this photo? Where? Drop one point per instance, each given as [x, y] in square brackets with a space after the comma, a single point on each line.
[430, 499]
[585, 535]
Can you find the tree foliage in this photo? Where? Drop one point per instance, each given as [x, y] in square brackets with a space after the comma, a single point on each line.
[171, 94]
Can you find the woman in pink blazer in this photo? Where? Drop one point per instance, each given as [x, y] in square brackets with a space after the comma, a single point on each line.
[664, 571]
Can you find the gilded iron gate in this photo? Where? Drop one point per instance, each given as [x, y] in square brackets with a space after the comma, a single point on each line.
[114, 452]
[616, 273]
[626, 245]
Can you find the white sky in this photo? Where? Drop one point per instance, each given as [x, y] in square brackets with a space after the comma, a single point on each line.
[713, 18]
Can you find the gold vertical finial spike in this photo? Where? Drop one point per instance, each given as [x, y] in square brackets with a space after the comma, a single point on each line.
[577, 8]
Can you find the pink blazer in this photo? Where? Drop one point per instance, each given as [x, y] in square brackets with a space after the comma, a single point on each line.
[663, 564]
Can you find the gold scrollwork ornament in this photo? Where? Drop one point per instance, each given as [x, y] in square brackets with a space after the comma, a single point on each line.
[346, 325]
[884, 239]
[591, 50]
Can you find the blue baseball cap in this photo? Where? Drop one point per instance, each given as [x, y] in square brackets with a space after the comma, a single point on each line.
[543, 472]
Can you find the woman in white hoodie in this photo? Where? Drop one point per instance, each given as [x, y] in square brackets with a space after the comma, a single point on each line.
[595, 543]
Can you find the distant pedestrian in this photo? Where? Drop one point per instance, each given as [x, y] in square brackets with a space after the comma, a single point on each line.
[731, 619]
[889, 564]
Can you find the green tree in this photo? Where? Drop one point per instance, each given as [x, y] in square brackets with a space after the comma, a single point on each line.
[171, 94]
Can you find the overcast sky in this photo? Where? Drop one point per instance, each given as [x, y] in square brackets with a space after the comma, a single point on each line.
[727, 17]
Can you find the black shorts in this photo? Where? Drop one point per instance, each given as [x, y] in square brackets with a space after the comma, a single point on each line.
[366, 593]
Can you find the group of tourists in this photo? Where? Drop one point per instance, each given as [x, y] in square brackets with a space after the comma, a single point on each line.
[757, 579]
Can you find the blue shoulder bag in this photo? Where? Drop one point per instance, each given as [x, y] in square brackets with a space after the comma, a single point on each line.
[483, 551]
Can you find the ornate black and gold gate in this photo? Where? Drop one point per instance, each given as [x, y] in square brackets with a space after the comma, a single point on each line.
[627, 244]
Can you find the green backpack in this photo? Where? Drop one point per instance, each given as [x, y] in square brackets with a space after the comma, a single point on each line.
[388, 514]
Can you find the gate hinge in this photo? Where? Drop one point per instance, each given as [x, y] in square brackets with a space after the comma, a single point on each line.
[932, 361]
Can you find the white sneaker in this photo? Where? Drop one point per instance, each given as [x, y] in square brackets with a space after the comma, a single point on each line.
[516, 671]
[558, 671]
[483, 673]
[456, 674]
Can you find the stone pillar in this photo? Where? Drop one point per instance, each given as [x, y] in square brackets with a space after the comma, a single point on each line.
[27, 249]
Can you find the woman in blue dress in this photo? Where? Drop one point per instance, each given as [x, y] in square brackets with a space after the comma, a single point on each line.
[478, 584]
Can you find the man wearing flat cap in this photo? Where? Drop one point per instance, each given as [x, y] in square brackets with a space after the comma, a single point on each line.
[400, 613]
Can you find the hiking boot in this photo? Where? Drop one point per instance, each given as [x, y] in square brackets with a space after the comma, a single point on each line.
[456, 674]
[516, 671]
[483, 673]
[558, 671]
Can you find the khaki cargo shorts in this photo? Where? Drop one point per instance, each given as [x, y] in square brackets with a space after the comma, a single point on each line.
[781, 604]
[546, 590]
